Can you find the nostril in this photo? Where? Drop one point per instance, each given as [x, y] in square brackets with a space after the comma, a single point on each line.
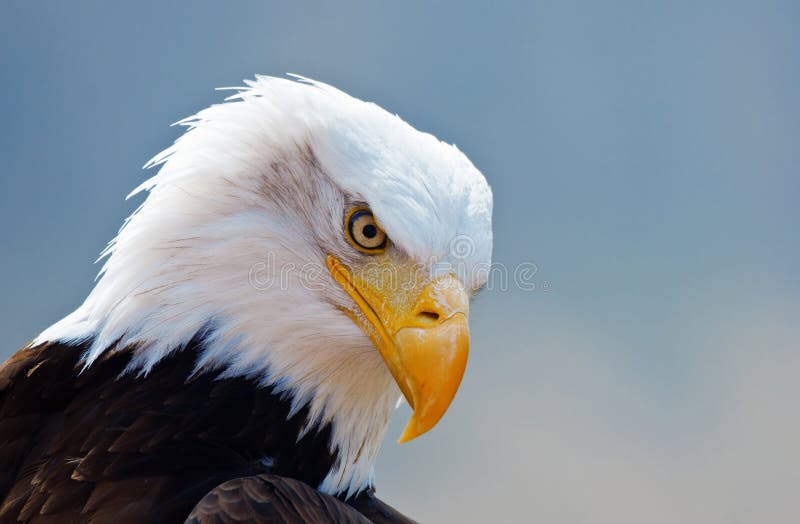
[428, 316]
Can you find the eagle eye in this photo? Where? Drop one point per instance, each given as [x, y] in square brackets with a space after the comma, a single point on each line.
[364, 233]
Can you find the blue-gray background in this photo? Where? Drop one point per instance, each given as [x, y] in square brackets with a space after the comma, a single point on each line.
[644, 155]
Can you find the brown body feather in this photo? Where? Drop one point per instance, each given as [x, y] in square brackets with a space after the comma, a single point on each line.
[102, 446]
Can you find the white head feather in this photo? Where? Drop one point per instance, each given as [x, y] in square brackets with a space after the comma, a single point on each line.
[232, 240]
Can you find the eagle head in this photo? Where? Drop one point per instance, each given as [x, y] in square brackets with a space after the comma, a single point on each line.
[320, 245]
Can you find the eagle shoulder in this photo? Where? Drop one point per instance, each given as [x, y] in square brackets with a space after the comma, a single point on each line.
[271, 499]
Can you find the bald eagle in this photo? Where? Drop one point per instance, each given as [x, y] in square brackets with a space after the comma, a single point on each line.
[302, 261]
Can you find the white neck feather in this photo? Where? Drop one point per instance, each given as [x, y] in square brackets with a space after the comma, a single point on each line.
[188, 260]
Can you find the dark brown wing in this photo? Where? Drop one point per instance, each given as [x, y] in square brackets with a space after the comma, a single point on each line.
[270, 499]
[66, 444]
[106, 447]
[377, 511]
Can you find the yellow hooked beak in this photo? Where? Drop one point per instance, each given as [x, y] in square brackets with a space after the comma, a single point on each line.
[422, 336]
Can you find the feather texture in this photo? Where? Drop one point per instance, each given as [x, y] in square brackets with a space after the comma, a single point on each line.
[97, 446]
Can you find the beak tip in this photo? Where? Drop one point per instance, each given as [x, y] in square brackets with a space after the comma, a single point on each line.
[415, 428]
[409, 433]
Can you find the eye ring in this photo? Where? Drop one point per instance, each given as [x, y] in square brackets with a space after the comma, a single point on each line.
[364, 233]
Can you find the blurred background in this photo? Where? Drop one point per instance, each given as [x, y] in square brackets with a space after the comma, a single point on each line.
[644, 157]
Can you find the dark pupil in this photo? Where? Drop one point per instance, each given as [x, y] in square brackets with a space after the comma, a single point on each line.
[369, 231]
